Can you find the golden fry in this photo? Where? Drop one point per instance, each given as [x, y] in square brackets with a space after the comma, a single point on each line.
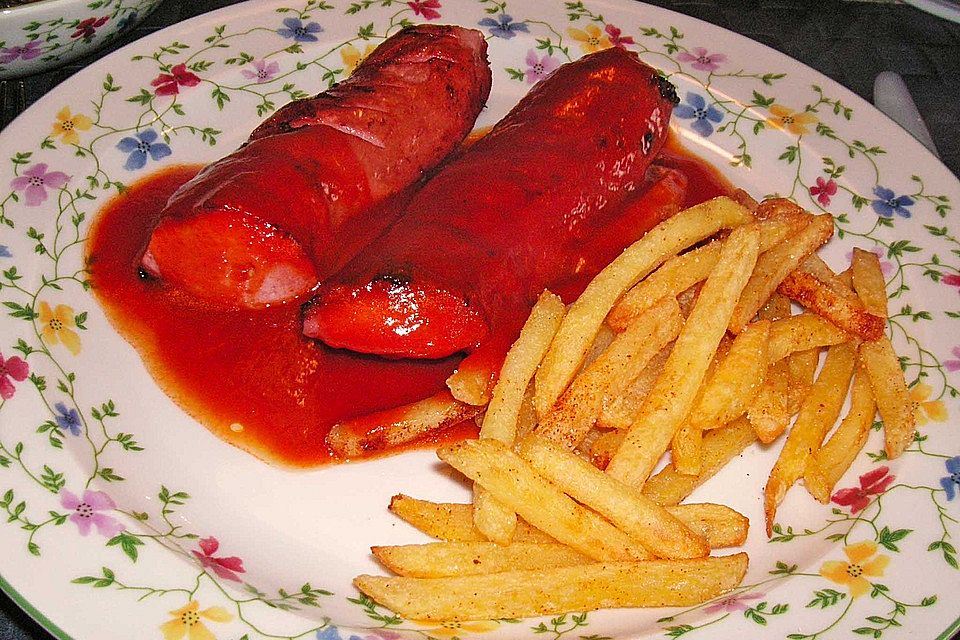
[803, 370]
[898, 411]
[676, 389]
[869, 282]
[802, 332]
[416, 420]
[633, 513]
[442, 559]
[585, 316]
[453, 522]
[517, 594]
[619, 411]
[817, 415]
[849, 315]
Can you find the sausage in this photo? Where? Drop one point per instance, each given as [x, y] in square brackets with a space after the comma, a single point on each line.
[324, 175]
[552, 193]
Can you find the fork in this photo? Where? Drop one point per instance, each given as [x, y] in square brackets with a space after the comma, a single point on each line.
[13, 100]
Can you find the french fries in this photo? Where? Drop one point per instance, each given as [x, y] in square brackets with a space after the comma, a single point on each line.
[817, 415]
[676, 388]
[774, 266]
[703, 353]
[495, 520]
[584, 317]
[517, 594]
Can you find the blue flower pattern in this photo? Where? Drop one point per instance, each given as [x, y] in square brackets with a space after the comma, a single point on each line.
[889, 203]
[299, 32]
[505, 27]
[142, 146]
[5, 252]
[952, 481]
[704, 116]
[67, 418]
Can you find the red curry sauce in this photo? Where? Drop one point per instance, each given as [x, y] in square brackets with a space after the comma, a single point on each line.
[250, 376]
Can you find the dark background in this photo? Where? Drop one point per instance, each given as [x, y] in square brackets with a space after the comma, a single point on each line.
[849, 41]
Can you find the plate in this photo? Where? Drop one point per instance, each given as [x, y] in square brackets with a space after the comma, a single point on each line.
[946, 9]
[125, 518]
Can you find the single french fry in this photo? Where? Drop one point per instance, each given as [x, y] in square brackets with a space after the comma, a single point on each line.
[849, 315]
[394, 427]
[517, 485]
[518, 594]
[774, 265]
[831, 461]
[897, 410]
[620, 410]
[817, 415]
[869, 282]
[767, 412]
[720, 446]
[802, 332]
[720, 525]
[803, 370]
[471, 385]
[453, 522]
[630, 511]
[500, 421]
[676, 389]
[442, 559]
[573, 415]
[585, 316]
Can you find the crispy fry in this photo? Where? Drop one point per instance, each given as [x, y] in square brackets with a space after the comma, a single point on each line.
[633, 513]
[774, 265]
[576, 411]
[719, 447]
[514, 482]
[767, 412]
[500, 422]
[898, 411]
[516, 594]
[803, 370]
[815, 295]
[833, 459]
[442, 559]
[720, 525]
[676, 389]
[397, 426]
[802, 332]
[453, 522]
[869, 282]
[817, 415]
[585, 316]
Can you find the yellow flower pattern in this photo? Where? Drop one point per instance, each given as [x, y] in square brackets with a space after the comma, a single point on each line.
[592, 39]
[67, 126]
[57, 326]
[352, 56]
[784, 118]
[927, 410]
[188, 623]
[863, 563]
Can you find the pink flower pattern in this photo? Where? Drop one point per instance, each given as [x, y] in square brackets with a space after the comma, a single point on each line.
[227, 568]
[34, 183]
[872, 483]
[702, 60]
[426, 8]
[616, 37]
[14, 367]
[27, 51]
[951, 280]
[953, 365]
[539, 67]
[88, 512]
[823, 191]
[732, 603]
[263, 71]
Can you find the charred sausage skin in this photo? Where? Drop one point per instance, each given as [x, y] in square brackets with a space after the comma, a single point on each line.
[324, 175]
[528, 206]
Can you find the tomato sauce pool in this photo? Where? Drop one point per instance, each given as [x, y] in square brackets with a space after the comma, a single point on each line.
[250, 376]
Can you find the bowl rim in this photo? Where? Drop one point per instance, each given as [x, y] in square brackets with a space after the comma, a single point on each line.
[38, 5]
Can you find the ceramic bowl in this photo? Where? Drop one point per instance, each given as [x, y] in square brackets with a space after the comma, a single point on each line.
[40, 36]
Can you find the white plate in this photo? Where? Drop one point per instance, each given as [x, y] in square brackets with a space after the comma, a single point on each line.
[303, 535]
[946, 9]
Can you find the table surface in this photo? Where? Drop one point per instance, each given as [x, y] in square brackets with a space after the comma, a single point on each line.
[849, 41]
